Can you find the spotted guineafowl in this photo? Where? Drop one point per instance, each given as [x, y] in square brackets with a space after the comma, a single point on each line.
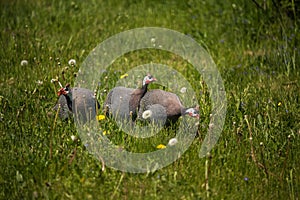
[162, 106]
[123, 103]
[78, 101]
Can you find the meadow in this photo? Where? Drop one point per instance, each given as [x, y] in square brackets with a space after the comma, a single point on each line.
[255, 45]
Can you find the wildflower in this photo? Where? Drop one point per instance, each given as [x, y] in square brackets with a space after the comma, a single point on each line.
[39, 82]
[123, 76]
[100, 117]
[72, 62]
[279, 104]
[147, 114]
[183, 90]
[246, 179]
[53, 80]
[104, 132]
[261, 143]
[161, 146]
[172, 142]
[24, 62]
[73, 137]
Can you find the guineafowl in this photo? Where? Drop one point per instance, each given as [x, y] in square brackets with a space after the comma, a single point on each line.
[78, 101]
[123, 103]
[164, 106]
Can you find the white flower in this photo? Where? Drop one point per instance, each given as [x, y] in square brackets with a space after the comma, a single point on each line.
[39, 82]
[183, 90]
[261, 143]
[73, 137]
[152, 40]
[146, 114]
[53, 80]
[72, 62]
[172, 142]
[24, 62]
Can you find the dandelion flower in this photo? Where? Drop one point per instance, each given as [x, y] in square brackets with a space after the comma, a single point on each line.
[24, 62]
[161, 146]
[72, 62]
[100, 117]
[123, 76]
[183, 90]
[39, 82]
[53, 80]
[147, 114]
[73, 137]
[172, 142]
[261, 143]
[279, 104]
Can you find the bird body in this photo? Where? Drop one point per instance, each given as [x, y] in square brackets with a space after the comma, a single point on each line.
[78, 101]
[117, 102]
[123, 103]
[160, 101]
[64, 111]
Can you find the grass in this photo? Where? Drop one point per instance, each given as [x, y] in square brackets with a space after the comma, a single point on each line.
[255, 47]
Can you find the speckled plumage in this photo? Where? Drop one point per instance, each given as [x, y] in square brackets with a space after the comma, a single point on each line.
[117, 102]
[123, 103]
[164, 106]
[79, 101]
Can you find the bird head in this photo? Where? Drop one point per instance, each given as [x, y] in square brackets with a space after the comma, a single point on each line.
[148, 79]
[193, 112]
[64, 90]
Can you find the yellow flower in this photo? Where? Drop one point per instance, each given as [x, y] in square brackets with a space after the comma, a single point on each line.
[161, 146]
[104, 133]
[100, 117]
[279, 104]
[123, 76]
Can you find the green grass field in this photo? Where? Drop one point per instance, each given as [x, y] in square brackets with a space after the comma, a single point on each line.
[255, 46]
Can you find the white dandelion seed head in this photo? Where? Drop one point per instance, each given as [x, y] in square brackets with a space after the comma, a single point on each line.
[183, 90]
[147, 114]
[39, 82]
[172, 142]
[24, 62]
[73, 137]
[261, 143]
[72, 62]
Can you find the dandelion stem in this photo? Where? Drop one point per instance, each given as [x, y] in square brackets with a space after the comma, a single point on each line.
[51, 132]
[115, 191]
[264, 166]
[103, 164]
[73, 155]
[252, 148]
[207, 171]
[285, 160]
